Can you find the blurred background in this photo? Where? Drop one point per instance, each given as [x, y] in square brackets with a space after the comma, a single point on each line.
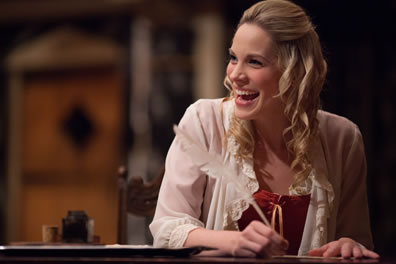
[87, 86]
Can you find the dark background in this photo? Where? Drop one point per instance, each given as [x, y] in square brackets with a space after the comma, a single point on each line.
[358, 38]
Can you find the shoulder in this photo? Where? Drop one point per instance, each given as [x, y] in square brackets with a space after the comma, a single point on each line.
[339, 136]
[210, 111]
[333, 125]
[205, 106]
[206, 119]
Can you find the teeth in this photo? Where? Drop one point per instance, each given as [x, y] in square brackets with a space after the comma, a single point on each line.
[240, 92]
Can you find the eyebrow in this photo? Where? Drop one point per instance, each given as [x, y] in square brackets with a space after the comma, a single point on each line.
[254, 55]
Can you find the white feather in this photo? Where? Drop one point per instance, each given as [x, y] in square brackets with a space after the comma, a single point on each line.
[208, 162]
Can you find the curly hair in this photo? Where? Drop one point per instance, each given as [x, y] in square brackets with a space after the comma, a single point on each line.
[303, 69]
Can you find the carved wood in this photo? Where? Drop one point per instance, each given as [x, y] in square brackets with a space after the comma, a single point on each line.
[136, 197]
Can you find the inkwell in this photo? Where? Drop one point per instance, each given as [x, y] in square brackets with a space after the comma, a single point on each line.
[77, 227]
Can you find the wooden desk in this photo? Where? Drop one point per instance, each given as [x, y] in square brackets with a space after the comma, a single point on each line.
[168, 260]
[60, 254]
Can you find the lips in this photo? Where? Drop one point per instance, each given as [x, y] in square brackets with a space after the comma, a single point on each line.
[246, 95]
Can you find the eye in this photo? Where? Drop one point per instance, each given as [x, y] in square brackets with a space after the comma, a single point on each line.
[232, 58]
[256, 63]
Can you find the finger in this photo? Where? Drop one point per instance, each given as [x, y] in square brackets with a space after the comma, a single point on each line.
[263, 245]
[264, 255]
[369, 254]
[265, 249]
[357, 252]
[271, 234]
[257, 240]
[346, 250]
[275, 238]
[244, 253]
[333, 250]
[275, 251]
[244, 248]
[318, 252]
[259, 245]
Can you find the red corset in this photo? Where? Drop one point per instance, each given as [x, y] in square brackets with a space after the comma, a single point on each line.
[286, 213]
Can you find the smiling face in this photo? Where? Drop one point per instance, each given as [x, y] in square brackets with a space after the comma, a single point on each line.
[254, 74]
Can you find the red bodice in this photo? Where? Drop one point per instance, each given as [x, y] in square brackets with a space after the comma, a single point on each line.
[287, 213]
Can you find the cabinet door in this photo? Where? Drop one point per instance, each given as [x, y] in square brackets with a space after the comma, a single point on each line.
[71, 148]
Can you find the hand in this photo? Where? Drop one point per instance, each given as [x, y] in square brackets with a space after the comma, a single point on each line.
[345, 247]
[257, 239]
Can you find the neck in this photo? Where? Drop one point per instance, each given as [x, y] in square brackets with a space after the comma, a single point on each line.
[269, 132]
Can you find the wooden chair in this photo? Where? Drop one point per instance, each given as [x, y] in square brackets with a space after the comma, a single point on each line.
[135, 197]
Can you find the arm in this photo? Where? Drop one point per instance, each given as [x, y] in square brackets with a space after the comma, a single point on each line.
[179, 203]
[353, 225]
[353, 216]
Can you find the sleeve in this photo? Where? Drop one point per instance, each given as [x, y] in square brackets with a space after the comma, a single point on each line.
[181, 195]
[353, 219]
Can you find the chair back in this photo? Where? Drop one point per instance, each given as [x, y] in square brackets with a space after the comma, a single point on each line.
[135, 197]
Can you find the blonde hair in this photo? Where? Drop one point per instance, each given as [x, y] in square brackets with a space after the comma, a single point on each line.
[303, 69]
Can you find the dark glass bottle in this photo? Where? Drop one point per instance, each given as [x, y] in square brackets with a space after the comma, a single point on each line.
[75, 227]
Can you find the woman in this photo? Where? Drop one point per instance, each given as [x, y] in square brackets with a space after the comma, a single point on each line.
[305, 167]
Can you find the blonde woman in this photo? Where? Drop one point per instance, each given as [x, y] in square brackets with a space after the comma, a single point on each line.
[305, 167]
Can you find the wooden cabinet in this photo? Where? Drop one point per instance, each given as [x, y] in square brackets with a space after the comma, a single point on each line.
[67, 133]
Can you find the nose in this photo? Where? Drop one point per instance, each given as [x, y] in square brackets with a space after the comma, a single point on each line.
[237, 73]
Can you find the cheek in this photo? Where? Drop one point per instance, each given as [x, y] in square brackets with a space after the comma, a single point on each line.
[267, 81]
[229, 69]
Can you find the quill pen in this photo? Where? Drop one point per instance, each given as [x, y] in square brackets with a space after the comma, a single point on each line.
[204, 160]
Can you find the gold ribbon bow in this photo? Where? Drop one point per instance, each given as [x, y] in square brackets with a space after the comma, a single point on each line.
[277, 209]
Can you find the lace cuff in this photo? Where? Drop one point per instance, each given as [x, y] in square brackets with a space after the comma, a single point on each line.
[179, 235]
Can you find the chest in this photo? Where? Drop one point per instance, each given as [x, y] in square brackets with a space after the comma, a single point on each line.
[273, 173]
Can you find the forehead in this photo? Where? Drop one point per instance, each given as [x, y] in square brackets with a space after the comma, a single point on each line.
[251, 38]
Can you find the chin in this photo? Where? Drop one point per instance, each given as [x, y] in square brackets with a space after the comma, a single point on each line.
[248, 112]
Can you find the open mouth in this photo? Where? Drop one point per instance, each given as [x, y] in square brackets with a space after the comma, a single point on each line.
[246, 95]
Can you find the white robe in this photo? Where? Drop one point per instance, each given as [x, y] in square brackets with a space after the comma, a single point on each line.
[189, 198]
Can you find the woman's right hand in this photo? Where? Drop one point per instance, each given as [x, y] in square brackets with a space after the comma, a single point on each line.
[258, 239]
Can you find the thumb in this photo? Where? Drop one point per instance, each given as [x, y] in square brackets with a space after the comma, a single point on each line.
[318, 252]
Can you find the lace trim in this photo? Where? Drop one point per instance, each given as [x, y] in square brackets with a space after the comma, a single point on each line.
[320, 171]
[232, 146]
[323, 212]
[319, 237]
[235, 208]
[303, 188]
[320, 180]
[179, 235]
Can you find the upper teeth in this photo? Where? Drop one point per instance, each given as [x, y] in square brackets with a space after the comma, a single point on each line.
[241, 92]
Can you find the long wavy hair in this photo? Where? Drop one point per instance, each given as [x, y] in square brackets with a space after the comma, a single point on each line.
[303, 69]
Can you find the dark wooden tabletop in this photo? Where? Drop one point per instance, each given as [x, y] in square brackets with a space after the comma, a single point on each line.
[59, 254]
[165, 260]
